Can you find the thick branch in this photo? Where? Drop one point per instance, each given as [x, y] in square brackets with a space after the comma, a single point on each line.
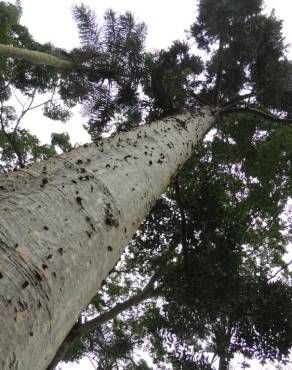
[102, 71]
[35, 57]
[267, 116]
[82, 329]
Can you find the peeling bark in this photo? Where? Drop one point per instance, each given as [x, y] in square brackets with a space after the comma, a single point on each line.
[65, 223]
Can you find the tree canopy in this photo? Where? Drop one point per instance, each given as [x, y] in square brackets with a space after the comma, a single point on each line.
[211, 255]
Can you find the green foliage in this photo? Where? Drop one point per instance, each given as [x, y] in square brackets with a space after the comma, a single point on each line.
[110, 64]
[56, 112]
[170, 76]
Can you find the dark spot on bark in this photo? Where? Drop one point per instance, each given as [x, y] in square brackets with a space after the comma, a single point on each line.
[44, 182]
[2, 187]
[79, 161]
[107, 166]
[88, 233]
[49, 257]
[79, 201]
[46, 227]
[74, 181]
[38, 276]
[150, 163]
[16, 245]
[127, 156]
[125, 229]
[39, 206]
[160, 161]
[109, 248]
[133, 189]
[1, 275]
[54, 274]
[91, 188]
[76, 192]
[31, 334]
[87, 218]
[44, 266]
[110, 218]
[145, 153]
[82, 170]
[61, 251]
[25, 284]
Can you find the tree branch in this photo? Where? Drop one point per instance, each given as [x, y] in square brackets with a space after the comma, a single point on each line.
[183, 227]
[280, 269]
[267, 116]
[40, 58]
[219, 73]
[36, 57]
[79, 330]
[203, 101]
[231, 103]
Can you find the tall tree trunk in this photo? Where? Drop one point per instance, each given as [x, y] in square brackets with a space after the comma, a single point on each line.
[36, 57]
[65, 223]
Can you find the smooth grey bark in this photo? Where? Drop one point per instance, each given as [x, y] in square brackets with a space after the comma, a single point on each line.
[65, 223]
[35, 57]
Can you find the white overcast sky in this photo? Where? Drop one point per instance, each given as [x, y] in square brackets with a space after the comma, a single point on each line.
[51, 21]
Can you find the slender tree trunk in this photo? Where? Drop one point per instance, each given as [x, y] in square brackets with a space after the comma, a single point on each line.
[65, 223]
[223, 364]
[36, 57]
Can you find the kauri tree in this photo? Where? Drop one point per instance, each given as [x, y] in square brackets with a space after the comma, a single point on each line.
[211, 244]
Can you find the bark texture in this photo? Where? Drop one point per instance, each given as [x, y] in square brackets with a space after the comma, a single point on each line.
[65, 223]
[36, 57]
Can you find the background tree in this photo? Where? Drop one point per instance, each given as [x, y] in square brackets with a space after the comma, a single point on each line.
[23, 81]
